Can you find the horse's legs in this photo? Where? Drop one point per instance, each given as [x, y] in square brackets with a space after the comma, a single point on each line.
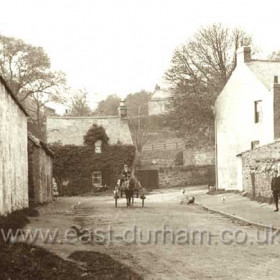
[127, 196]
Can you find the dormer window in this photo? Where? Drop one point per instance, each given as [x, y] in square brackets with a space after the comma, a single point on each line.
[98, 147]
[258, 111]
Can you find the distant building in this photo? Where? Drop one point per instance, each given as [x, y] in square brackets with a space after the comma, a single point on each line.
[159, 102]
[71, 130]
[247, 115]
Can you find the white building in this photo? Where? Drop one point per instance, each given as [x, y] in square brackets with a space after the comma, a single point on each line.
[247, 114]
[159, 102]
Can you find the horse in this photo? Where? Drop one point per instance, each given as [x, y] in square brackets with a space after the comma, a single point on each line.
[130, 186]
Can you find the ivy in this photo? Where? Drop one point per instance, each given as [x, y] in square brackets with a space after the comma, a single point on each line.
[94, 134]
[75, 165]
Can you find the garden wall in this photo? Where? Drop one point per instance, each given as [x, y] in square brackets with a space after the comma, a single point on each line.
[257, 167]
[186, 175]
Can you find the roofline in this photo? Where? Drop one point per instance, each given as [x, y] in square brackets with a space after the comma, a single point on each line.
[263, 60]
[7, 88]
[259, 147]
[161, 98]
[40, 144]
[88, 117]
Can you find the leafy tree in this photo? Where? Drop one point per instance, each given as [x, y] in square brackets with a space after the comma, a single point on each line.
[137, 103]
[27, 70]
[198, 72]
[109, 106]
[274, 56]
[79, 104]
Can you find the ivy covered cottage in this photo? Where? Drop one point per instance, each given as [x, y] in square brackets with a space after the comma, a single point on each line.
[89, 151]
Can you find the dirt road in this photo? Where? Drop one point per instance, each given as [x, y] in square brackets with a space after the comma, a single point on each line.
[185, 241]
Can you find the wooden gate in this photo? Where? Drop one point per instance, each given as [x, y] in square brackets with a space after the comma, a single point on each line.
[148, 178]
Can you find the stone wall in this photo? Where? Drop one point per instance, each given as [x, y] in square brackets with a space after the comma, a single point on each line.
[13, 153]
[186, 175]
[257, 167]
[40, 172]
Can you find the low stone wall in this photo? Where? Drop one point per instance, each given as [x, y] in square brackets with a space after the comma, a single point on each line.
[257, 167]
[186, 175]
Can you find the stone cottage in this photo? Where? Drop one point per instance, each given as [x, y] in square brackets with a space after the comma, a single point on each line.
[13, 152]
[247, 115]
[71, 131]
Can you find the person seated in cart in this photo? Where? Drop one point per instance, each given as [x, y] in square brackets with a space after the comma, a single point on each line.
[126, 174]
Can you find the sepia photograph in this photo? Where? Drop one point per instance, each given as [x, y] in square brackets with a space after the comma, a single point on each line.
[139, 140]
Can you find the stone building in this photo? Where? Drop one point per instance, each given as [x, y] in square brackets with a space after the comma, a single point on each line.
[247, 115]
[257, 169]
[39, 167]
[13, 152]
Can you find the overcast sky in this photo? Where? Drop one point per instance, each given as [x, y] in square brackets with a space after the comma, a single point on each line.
[123, 46]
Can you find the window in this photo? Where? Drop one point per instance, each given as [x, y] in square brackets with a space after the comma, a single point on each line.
[97, 178]
[98, 147]
[258, 111]
[255, 144]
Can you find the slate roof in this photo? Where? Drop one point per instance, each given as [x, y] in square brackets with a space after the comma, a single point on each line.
[265, 70]
[71, 130]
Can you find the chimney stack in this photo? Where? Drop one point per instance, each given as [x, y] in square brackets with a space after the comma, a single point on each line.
[243, 54]
[123, 110]
[276, 107]
[157, 87]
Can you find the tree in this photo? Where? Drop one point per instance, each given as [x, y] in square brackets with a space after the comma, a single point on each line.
[79, 104]
[274, 56]
[139, 131]
[198, 72]
[109, 106]
[27, 71]
[137, 101]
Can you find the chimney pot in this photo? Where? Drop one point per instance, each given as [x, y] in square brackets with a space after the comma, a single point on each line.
[123, 110]
[275, 79]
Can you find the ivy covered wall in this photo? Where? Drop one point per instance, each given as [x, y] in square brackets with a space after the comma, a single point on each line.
[73, 166]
